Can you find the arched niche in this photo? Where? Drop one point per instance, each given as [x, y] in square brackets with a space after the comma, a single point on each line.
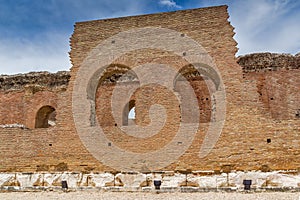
[45, 117]
[101, 89]
[205, 81]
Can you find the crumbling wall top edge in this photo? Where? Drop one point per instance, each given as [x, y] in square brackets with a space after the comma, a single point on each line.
[43, 79]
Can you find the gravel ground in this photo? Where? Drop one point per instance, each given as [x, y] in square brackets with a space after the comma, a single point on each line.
[86, 195]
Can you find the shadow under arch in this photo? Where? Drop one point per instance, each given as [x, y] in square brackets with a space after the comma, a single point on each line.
[45, 117]
[198, 69]
[205, 81]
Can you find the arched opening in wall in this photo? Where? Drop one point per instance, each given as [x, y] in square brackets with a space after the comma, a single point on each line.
[114, 87]
[204, 81]
[129, 113]
[45, 117]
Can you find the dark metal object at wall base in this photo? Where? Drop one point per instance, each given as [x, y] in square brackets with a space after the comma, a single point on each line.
[247, 184]
[64, 185]
[157, 184]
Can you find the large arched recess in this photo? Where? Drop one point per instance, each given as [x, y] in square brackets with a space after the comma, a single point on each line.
[205, 81]
[100, 92]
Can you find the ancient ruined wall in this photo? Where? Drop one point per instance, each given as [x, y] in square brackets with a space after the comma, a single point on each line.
[271, 93]
[26, 147]
[259, 132]
[210, 28]
[277, 82]
[21, 96]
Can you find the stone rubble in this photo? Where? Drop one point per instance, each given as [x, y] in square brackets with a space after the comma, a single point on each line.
[41, 79]
[268, 62]
[12, 126]
[280, 180]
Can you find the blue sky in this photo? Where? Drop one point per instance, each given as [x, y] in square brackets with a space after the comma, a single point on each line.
[34, 34]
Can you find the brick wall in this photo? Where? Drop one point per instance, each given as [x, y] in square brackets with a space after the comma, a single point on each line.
[259, 132]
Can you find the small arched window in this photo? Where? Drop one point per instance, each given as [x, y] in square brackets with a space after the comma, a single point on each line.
[45, 117]
[129, 113]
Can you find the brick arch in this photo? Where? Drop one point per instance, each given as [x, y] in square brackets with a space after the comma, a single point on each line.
[192, 71]
[37, 101]
[117, 73]
[204, 81]
[110, 74]
[43, 115]
[108, 78]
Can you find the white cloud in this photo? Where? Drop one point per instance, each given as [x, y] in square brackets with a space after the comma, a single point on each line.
[45, 49]
[169, 3]
[266, 25]
[47, 53]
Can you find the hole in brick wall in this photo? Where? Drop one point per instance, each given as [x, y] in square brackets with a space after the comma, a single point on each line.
[182, 35]
[268, 140]
[129, 112]
[272, 98]
[109, 144]
[113, 42]
[206, 99]
[50, 145]
[297, 115]
[116, 124]
[45, 117]
[184, 53]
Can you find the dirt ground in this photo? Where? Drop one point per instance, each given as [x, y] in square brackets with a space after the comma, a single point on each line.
[88, 195]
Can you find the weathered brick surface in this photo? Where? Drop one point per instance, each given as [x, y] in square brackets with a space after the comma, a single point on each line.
[252, 116]
[277, 81]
